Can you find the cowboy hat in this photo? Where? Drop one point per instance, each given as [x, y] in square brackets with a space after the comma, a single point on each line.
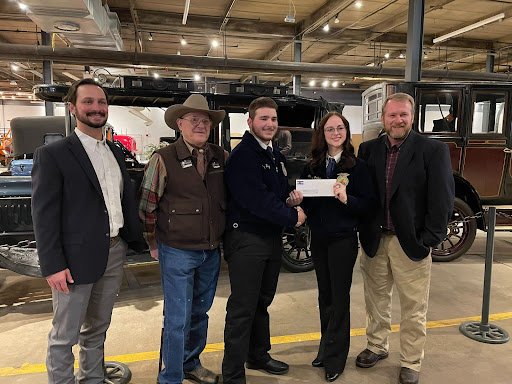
[194, 103]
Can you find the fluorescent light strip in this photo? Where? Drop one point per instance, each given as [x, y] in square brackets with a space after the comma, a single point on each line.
[468, 28]
[185, 12]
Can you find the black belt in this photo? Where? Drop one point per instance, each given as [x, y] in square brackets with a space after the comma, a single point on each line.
[113, 241]
[389, 232]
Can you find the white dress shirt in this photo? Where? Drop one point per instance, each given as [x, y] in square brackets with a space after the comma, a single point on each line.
[109, 176]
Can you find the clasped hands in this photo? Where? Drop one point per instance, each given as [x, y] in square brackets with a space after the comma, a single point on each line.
[294, 199]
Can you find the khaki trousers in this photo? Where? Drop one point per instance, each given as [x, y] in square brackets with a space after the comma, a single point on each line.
[412, 280]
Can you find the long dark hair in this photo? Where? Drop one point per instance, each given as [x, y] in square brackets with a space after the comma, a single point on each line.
[319, 148]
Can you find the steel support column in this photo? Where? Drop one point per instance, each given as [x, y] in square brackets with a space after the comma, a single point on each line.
[47, 73]
[297, 57]
[414, 40]
[489, 63]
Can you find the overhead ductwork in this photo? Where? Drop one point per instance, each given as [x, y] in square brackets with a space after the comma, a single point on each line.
[84, 23]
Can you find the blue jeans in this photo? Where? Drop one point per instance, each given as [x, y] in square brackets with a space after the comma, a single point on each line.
[189, 280]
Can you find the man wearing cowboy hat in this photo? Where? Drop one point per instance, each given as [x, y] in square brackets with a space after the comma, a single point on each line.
[182, 206]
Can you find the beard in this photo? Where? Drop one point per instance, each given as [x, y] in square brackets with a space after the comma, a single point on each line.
[398, 135]
[85, 119]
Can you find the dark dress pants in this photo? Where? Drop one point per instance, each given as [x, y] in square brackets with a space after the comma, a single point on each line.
[253, 262]
[334, 260]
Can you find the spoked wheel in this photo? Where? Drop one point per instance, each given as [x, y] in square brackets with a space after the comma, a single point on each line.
[296, 253]
[116, 373]
[460, 234]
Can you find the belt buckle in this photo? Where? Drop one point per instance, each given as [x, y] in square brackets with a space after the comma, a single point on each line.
[113, 241]
[389, 232]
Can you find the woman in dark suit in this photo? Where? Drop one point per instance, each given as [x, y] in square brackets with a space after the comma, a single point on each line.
[334, 222]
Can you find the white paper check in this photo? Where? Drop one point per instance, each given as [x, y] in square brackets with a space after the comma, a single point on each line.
[315, 187]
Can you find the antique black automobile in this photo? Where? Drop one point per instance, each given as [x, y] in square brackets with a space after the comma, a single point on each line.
[297, 115]
[474, 120]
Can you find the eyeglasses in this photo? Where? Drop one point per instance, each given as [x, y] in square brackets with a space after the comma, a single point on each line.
[196, 121]
[331, 130]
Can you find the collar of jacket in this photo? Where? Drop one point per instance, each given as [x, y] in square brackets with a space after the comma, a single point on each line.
[183, 152]
[251, 140]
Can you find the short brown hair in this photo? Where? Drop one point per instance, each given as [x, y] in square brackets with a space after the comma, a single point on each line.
[319, 148]
[71, 95]
[261, 102]
[398, 97]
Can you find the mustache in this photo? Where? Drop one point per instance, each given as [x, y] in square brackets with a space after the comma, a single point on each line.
[101, 113]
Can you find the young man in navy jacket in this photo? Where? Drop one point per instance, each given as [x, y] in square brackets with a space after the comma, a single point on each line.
[257, 211]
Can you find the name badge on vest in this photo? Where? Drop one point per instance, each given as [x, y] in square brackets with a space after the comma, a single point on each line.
[186, 163]
[215, 165]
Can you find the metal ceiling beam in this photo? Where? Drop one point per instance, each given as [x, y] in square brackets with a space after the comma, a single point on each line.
[309, 25]
[177, 62]
[384, 27]
[135, 19]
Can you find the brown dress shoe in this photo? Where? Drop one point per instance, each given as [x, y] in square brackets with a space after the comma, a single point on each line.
[368, 359]
[408, 376]
[202, 375]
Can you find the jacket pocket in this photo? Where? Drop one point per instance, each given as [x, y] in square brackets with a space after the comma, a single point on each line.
[186, 221]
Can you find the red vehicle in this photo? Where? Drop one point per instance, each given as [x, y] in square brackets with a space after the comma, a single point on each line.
[128, 141]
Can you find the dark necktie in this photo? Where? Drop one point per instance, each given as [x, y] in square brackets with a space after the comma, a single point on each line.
[199, 154]
[329, 171]
[269, 150]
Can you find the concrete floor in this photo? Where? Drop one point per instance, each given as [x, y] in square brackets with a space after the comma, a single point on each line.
[134, 337]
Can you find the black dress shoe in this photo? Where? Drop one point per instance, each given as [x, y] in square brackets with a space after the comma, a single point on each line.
[272, 366]
[408, 376]
[368, 359]
[317, 363]
[331, 376]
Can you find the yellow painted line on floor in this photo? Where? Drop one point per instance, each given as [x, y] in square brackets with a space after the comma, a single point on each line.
[218, 347]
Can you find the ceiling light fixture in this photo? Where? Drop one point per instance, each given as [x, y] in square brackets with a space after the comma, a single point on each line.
[326, 27]
[23, 6]
[468, 28]
[401, 55]
[336, 20]
[183, 41]
[197, 77]
[156, 75]
[12, 97]
[334, 84]
[425, 55]
[215, 43]
[96, 79]
[325, 83]
[386, 55]
[312, 83]
[289, 18]
[178, 53]
[185, 12]
[14, 67]
[150, 38]
[358, 4]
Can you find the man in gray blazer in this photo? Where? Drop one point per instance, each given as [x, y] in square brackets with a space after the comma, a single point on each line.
[414, 180]
[84, 214]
